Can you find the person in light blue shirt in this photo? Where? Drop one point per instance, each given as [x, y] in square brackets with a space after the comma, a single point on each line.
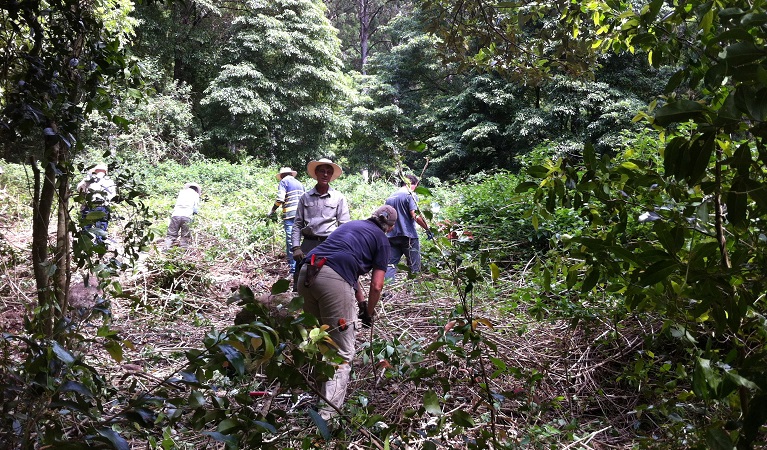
[289, 190]
[187, 205]
[403, 239]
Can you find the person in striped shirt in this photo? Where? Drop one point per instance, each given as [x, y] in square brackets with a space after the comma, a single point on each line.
[289, 190]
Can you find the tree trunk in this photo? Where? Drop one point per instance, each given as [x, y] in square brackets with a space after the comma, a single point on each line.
[364, 18]
[42, 205]
[63, 259]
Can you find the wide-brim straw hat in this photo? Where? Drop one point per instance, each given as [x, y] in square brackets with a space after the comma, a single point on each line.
[285, 170]
[194, 186]
[337, 171]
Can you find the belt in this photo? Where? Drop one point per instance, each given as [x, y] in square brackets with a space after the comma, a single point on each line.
[315, 238]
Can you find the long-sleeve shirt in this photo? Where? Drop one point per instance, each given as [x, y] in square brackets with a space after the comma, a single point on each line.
[319, 214]
[100, 187]
[187, 203]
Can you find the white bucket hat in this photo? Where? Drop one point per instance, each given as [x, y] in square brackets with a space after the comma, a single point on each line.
[320, 162]
[194, 186]
[102, 167]
[284, 171]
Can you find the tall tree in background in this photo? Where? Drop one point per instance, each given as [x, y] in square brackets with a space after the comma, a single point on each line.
[398, 97]
[278, 94]
[58, 58]
[359, 23]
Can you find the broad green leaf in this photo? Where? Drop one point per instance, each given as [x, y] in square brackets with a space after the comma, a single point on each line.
[196, 399]
[592, 277]
[525, 186]
[629, 165]
[431, 403]
[740, 381]
[495, 271]
[707, 20]
[673, 157]
[741, 160]
[737, 202]
[282, 285]
[658, 272]
[747, 101]
[93, 216]
[678, 111]
[115, 350]
[754, 19]
[538, 171]
[758, 193]
[462, 418]
[63, 354]
[675, 80]
[728, 113]
[572, 277]
[268, 346]
[227, 426]
[416, 146]
[718, 439]
[704, 379]
[74, 386]
[234, 357]
[589, 157]
[741, 53]
[715, 75]
[651, 13]
[423, 191]
[221, 437]
[117, 441]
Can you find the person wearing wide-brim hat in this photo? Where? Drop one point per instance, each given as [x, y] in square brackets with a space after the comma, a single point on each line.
[289, 190]
[311, 168]
[99, 192]
[320, 210]
[187, 205]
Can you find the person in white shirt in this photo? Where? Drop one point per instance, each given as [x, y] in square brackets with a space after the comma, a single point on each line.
[99, 191]
[187, 204]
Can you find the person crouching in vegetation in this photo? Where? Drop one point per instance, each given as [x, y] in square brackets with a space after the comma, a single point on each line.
[99, 191]
[187, 204]
[328, 282]
[289, 190]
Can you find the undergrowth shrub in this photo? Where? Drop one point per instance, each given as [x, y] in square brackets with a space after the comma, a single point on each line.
[499, 219]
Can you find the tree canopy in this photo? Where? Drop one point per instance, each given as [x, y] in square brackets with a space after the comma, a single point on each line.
[278, 93]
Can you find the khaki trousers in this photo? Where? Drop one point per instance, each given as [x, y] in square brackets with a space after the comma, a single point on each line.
[329, 299]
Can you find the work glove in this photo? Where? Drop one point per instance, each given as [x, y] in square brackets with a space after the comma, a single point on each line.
[429, 235]
[363, 316]
[298, 254]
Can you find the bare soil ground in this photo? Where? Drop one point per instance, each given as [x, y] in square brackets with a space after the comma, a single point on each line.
[575, 382]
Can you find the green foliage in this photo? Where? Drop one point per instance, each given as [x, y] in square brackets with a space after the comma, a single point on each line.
[494, 123]
[159, 125]
[277, 95]
[53, 384]
[489, 212]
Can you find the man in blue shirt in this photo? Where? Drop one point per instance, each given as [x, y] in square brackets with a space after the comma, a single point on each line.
[403, 239]
[289, 190]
